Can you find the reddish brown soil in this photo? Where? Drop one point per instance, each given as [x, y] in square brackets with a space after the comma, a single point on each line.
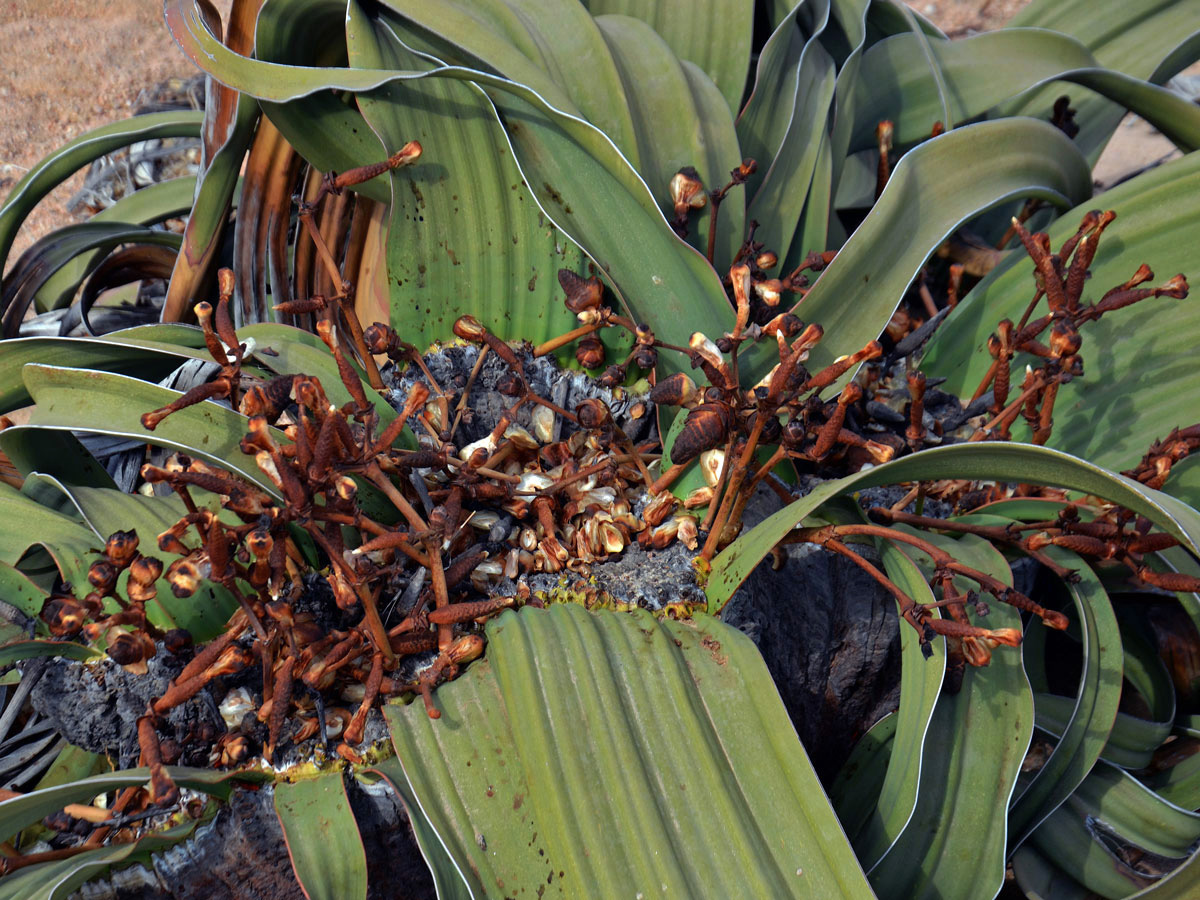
[70, 66]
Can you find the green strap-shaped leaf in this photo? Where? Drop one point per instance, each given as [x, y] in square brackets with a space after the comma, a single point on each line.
[322, 837]
[1096, 701]
[1112, 803]
[1040, 878]
[17, 590]
[57, 249]
[553, 47]
[105, 510]
[768, 113]
[16, 651]
[447, 879]
[1021, 463]
[26, 524]
[930, 193]
[1132, 740]
[954, 845]
[783, 190]
[73, 764]
[680, 119]
[566, 162]
[1130, 744]
[920, 684]
[986, 69]
[464, 235]
[18, 812]
[855, 790]
[846, 45]
[87, 400]
[68, 159]
[1139, 380]
[671, 725]
[714, 34]
[1142, 38]
[146, 206]
[1179, 784]
[59, 879]
[172, 333]
[56, 453]
[147, 360]
[327, 130]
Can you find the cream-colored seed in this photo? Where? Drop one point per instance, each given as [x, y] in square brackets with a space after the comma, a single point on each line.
[711, 464]
[542, 422]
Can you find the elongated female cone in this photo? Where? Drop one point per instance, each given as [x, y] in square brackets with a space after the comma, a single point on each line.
[141, 593]
[593, 413]
[102, 575]
[121, 547]
[125, 650]
[645, 357]
[145, 570]
[185, 577]
[63, 615]
[676, 390]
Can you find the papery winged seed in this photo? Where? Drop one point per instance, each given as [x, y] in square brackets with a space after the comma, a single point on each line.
[542, 422]
[688, 532]
[484, 519]
[662, 536]
[522, 438]
[529, 539]
[487, 443]
[659, 508]
[603, 496]
[535, 481]
[434, 410]
[484, 573]
[234, 707]
[611, 537]
[711, 464]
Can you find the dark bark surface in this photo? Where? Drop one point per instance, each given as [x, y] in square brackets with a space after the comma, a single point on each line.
[241, 855]
[828, 634]
[97, 706]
